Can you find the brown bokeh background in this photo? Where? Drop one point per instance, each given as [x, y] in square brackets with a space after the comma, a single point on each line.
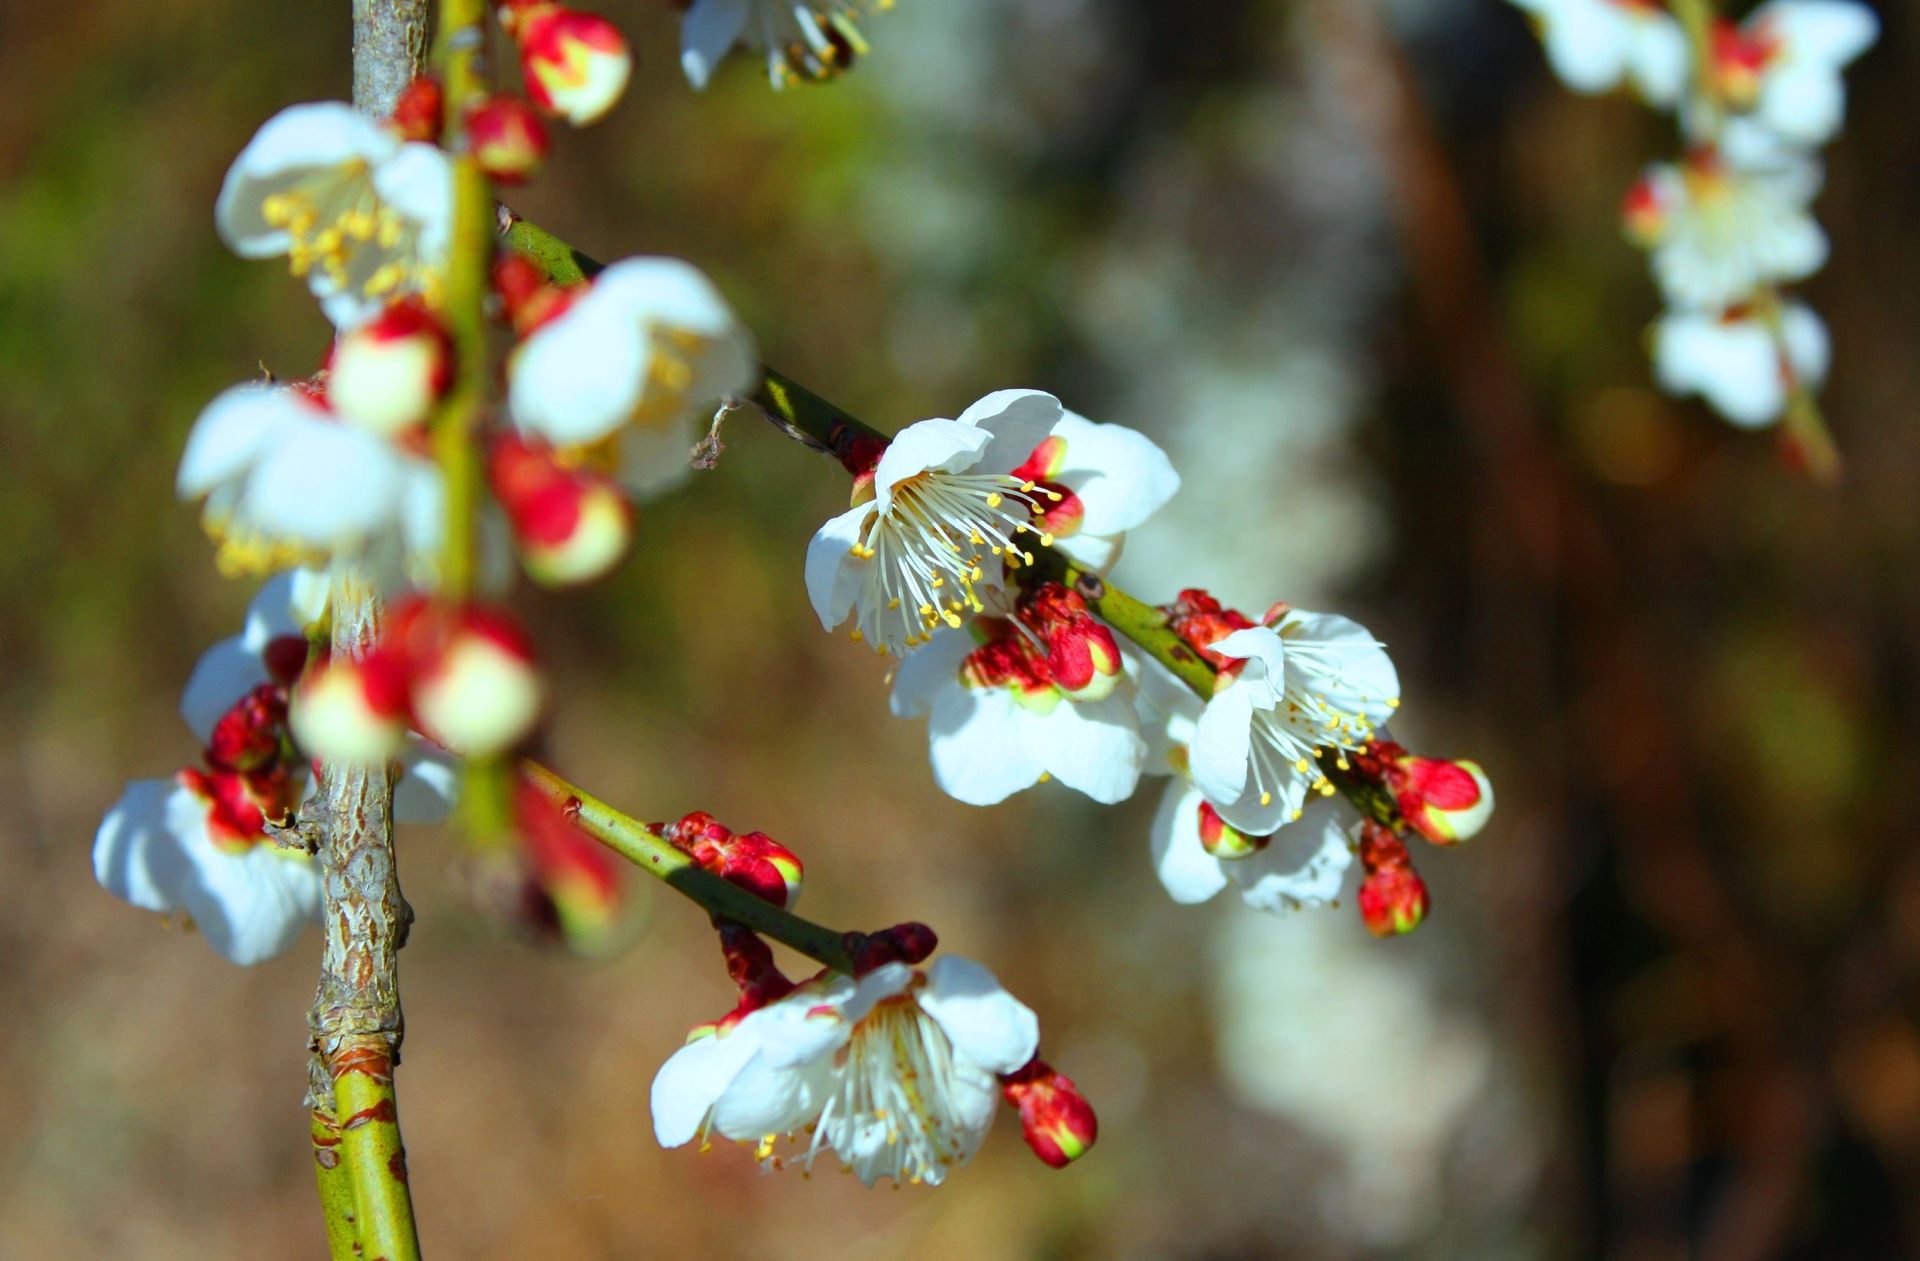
[1358, 270]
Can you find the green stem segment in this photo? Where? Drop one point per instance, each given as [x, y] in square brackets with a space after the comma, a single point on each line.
[643, 845]
[336, 1187]
[375, 1161]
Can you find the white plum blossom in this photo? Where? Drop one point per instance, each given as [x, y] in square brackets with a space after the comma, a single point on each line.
[1312, 681]
[631, 363]
[896, 1072]
[1595, 45]
[807, 39]
[286, 482]
[1735, 361]
[1783, 67]
[361, 214]
[1718, 232]
[950, 500]
[998, 721]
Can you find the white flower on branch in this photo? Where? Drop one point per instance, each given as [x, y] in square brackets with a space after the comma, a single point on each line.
[809, 40]
[1735, 360]
[1308, 682]
[629, 366]
[952, 502]
[896, 1072]
[285, 482]
[1783, 65]
[361, 214]
[1718, 232]
[1595, 45]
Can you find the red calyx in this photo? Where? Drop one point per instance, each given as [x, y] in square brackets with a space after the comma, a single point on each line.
[1055, 1118]
[1202, 621]
[750, 964]
[907, 943]
[251, 735]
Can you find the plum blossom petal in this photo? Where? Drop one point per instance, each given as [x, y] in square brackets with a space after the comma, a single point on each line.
[1303, 865]
[983, 1021]
[1735, 362]
[707, 32]
[1188, 872]
[1120, 475]
[980, 752]
[1093, 747]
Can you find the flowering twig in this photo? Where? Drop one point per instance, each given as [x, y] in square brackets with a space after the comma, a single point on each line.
[643, 845]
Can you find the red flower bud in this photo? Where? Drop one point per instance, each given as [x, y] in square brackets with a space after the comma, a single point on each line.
[903, 943]
[1082, 656]
[248, 736]
[575, 878]
[1055, 1118]
[386, 375]
[754, 861]
[508, 139]
[417, 115]
[1446, 802]
[572, 525]
[526, 297]
[352, 712]
[1393, 899]
[471, 676]
[576, 64]
[1222, 839]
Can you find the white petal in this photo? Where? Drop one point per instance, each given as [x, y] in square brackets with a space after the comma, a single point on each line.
[1262, 647]
[707, 31]
[417, 182]
[655, 459]
[1303, 865]
[429, 783]
[1093, 747]
[324, 484]
[1732, 364]
[1586, 42]
[928, 669]
[945, 445]
[1246, 814]
[300, 137]
[834, 573]
[578, 379]
[884, 982]
[985, 1023]
[1809, 349]
[664, 291]
[229, 434]
[271, 614]
[1317, 643]
[1657, 55]
[1019, 421]
[135, 856]
[1098, 552]
[1183, 864]
[979, 753]
[250, 906]
[1221, 741]
[693, 1079]
[1120, 475]
[224, 674]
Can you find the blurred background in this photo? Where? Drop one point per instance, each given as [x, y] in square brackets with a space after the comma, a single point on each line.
[1357, 267]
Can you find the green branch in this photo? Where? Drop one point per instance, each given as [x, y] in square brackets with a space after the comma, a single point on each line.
[643, 846]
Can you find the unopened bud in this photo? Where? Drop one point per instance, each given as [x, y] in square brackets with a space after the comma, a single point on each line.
[475, 688]
[1644, 214]
[351, 712]
[1082, 656]
[576, 64]
[386, 375]
[417, 115]
[903, 943]
[572, 525]
[1393, 898]
[1446, 802]
[753, 860]
[576, 877]
[508, 139]
[248, 736]
[1222, 839]
[526, 295]
[1055, 1118]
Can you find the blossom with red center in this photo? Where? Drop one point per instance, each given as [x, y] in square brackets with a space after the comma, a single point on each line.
[753, 860]
[998, 719]
[571, 524]
[576, 64]
[1055, 1118]
[1095, 483]
[1718, 231]
[1446, 802]
[897, 1072]
[1781, 70]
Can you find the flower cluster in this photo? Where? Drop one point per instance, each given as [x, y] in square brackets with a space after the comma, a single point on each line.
[1729, 222]
[1022, 681]
[198, 843]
